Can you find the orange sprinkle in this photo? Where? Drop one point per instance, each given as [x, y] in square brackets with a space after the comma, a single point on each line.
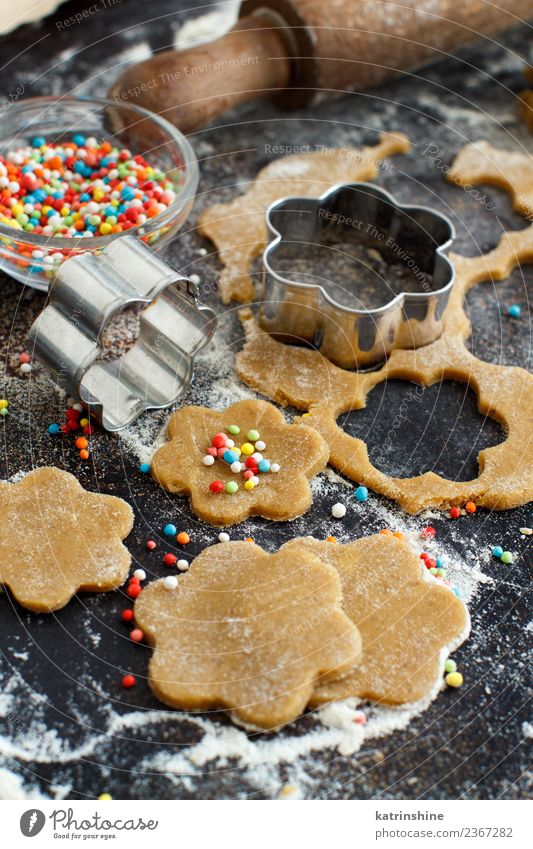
[249, 539]
[183, 538]
[386, 532]
[81, 442]
[398, 534]
[331, 539]
[470, 507]
[84, 454]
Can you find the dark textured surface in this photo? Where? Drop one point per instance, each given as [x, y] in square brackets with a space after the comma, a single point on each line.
[469, 743]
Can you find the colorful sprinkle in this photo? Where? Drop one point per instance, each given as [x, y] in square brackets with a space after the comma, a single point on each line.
[514, 311]
[170, 582]
[129, 681]
[127, 615]
[151, 544]
[216, 486]
[526, 531]
[275, 467]
[105, 797]
[144, 468]
[53, 428]
[183, 538]
[169, 559]
[497, 551]
[361, 493]
[223, 537]
[455, 512]
[140, 574]
[136, 635]
[247, 449]
[170, 530]
[234, 430]
[208, 460]
[232, 487]
[470, 507]
[338, 511]
[454, 679]
[507, 557]
[428, 533]
[252, 435]
[450, 666]
[182, 565]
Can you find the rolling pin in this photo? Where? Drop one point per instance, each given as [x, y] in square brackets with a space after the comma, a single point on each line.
[299, 50]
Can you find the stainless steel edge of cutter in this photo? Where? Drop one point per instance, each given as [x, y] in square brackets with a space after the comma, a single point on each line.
[86, 292]
[293, 308]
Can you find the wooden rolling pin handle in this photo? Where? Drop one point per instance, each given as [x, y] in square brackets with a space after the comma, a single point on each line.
[193, 87]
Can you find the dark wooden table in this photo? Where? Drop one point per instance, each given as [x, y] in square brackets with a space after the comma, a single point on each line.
[470, 743]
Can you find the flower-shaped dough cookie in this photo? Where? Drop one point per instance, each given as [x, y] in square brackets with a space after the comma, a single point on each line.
[248, 631]
[408, 623]
[232, 485]
[56, 538]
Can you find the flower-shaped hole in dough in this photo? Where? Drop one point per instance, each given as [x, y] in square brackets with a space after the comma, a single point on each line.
[248, 631]
[299, 451]
[56, 538]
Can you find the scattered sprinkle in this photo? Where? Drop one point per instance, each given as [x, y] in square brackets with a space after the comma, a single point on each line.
[183, 538]
[170, 582]
[514, 311]
[144, 468]
[338, 511]
[454, 679]
[223, 537]
[361, 493]
[129, 681]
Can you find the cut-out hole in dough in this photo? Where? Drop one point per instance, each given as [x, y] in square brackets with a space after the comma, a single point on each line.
[411, 429]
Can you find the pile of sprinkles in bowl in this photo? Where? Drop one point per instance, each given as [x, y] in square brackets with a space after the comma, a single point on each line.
[79, 188]
[245, 459]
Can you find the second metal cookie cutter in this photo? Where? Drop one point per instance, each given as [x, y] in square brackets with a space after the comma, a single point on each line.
[86, 293]
[311, 305]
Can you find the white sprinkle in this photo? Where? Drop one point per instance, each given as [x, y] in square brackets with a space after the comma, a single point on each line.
[140, 574]
[274, 467]
[260, 445]
[526, 531]
[208, 460]
[77, 407]
[223, 537]
[254, 479]
[257, 456]
[25, 368]
[202, 251]
[236, 467]
[182, 565]
[338, 510]
[230, 443]
[195, 278]
[170, 582]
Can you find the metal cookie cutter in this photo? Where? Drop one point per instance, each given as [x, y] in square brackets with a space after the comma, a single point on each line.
[87, 292]
[401, 248]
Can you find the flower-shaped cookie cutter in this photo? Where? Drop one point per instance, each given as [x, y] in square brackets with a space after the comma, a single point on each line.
[86, 293]
[331, 314]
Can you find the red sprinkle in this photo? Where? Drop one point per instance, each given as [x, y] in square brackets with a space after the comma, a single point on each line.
[150, 544]
[129, 681]
[169, 559]
[218, 441]
[431, 563]
[24, 357]
[127, 615]
[134, 590]
[136, 635]
[216, 486]
[428, 533]
[455, 512]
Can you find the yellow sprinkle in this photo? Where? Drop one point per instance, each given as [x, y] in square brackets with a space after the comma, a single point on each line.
[3, 404]
[454, 679]
[398, 534]
[105, 797]
[249, 484]
[105, 228]
[84, 422]
[306, 415]
[98, 194]
[247, 449]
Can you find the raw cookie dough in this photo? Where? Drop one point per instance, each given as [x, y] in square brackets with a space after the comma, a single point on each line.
[56, 538]
[408, 623]
[248, 631]
[306, 380]
[479, 162]
[238, 228]
[526, 101]
[299, 451]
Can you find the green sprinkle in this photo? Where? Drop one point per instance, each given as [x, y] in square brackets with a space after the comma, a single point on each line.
[231, 487]
[450, 666]
[441, 573]
[234, 430]
[252, 435]
[507, 557]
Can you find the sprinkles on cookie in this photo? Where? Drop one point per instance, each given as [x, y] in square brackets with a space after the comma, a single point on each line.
[245, 459]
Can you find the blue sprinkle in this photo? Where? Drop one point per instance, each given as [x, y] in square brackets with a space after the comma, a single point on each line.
[78, 139]
[39, 195]
[58, 195]
[170, 530]
[264, 465]
[85, 198]
[144, 468]
[230, 457]
[37, 141]
[361, 493]
[440, 563]
[127, 193]
[514, 311]
[497, 551]
[53, 428]
[457, 592]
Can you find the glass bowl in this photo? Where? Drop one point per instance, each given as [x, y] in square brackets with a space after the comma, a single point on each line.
[32, 258]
